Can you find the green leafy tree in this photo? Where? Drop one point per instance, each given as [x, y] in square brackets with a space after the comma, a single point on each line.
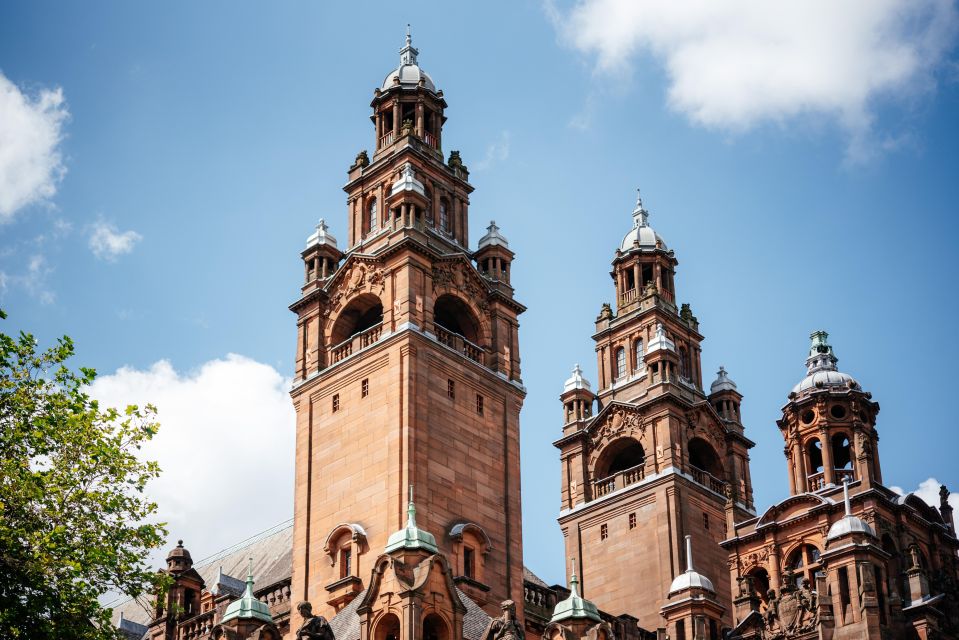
[74, 519]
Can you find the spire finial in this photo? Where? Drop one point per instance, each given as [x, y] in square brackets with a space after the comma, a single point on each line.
[411, 512]
[573, 580]
[640, 215]
[689, 553]
[845, 496]
[408, 53]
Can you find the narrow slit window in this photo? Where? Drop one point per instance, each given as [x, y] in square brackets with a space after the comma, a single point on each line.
[365, 387]
[451, 389]
[336, 402]
[632, 521]
[479, 404]
[603, 532]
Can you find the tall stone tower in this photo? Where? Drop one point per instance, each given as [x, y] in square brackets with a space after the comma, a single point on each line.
[407, 369]
[650, 457]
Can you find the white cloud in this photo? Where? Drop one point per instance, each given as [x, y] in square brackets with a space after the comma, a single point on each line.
[929, 491]
[225, 447]
[108, 243]
[496, 151]
[736, 64]
[31, 128]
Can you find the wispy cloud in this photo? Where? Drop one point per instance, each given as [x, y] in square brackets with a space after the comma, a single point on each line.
[497, 151]
[33, 278]
[31, 163]
[738, 64]
[108, 243]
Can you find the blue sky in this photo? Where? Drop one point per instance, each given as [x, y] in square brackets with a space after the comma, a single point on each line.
[165, 163]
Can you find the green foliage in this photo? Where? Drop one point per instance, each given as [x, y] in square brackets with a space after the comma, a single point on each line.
[73, 513]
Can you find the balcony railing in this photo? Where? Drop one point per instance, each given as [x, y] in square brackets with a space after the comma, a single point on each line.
[817, 481]
[460, 344]
[430, 139]
[708, 480]
[355, 342]
[667, 295]
[629, 296]
[618, 480]
[198, 626]
[386, 140]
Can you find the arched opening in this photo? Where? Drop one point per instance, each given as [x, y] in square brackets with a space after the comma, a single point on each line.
[362, 313]
[757, 584]
[898, 583]
[841, 452]
[444, 216]
[455, 316]
[387, 628]
[703, 457]
[804, 565]
[814, 455]
[435, 628]
[684, 363]
[619, 456]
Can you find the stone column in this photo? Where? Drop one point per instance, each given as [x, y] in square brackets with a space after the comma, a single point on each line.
[829, 472]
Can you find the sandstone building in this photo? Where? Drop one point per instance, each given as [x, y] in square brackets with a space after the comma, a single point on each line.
[407, 512]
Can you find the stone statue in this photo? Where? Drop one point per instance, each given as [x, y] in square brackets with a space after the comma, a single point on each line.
[506, 627]
[605, 312]
[314, 627]
[362, 160]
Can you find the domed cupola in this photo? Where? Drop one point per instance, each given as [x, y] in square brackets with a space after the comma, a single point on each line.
[821, 370]
[408, 75]
[179, 559]
[849, 524]
[641, 236]
[722, 382]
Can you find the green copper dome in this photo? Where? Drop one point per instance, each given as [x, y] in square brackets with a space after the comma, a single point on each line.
[574, 606]
[248, 606]
[411, 537]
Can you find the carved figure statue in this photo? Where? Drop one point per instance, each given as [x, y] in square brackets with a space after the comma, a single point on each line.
[314, 627]
[362, 160]
[605, 312]
[506, 627]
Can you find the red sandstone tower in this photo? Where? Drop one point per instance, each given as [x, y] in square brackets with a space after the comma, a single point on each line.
[657, 458]
[407, 369]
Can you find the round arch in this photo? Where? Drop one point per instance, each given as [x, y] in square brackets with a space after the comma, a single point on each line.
[704, 457]
[619, 455]
[361, 313]
[455, 315]
[435, 627]
[387, 627]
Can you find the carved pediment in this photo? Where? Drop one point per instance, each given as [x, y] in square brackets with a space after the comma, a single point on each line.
[459, 275]
[356, 276]
[791, 507]
[617, 420]
[749, 561]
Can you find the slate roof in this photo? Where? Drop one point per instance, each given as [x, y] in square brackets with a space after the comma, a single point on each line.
[272, 553]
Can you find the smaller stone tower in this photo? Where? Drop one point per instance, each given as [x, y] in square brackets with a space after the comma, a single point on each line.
[692, 611]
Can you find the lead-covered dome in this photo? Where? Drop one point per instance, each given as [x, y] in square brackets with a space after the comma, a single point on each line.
[821, 370]
[722, 382]
[642, 235]
[848, 524]
[690, 579]
[409, 74]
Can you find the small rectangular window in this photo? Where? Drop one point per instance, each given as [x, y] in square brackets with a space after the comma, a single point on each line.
[705, 521]
[365, 387]
[632, 521]
[603, 532]
[346, 563]
[451, 389]
[336, 402]
[479, 404]
[469, 563]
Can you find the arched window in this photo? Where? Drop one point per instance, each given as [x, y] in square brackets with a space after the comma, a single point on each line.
[372, 215]
[804, 565]
[454, 315]
[841, 453]
[444, 216]
[757, 583]
[814, 451]
[684, 362]
[620, 363]
[638, 353]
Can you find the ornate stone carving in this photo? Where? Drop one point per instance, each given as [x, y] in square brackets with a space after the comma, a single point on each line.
[506, 627]
[605, 312]
[793, 613]
[362, 160]
[760, 557]
[619, 422]
[314, 627]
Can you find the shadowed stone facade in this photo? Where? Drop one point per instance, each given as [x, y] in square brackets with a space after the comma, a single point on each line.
[407, 511]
